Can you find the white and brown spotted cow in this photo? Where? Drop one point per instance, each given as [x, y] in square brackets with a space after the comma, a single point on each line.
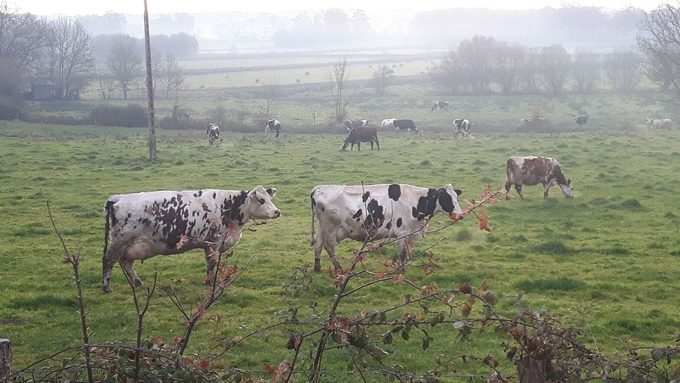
[143, 225]
[536, 170]
[375, 212]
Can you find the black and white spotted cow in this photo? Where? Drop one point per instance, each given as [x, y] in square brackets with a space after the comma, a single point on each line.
[388, 123]
[274, 126]
[353, 124]
[214, 137]
[536, 170]
[581, 120]
[440, 105]
[143, 225]
[375, 212]
[406, 125]
[462, 127]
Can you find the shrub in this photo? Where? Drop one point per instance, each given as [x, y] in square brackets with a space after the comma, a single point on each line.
[131, 116]
[9, 112]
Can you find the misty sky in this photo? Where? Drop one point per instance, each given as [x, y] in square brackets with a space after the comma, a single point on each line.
[83, 7]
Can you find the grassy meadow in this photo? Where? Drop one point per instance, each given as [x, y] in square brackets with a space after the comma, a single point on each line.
[606, 261]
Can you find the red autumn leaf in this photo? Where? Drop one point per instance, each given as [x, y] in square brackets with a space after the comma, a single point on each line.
[398, 277]
[205, 364]
[483, 219]
[378, 275]
[465, 288]
[484, 290]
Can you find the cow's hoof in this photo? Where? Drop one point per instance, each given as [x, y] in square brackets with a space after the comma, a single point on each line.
[106, 289]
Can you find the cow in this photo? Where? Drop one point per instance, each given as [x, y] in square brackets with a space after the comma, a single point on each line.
[581, 120]
[359, 135]
[440, 105]
[274, 126]
[534, 121]
[462, 127]
[367, 212]
[351, 124]
[406, 125]
[143, 225]
[213, 132]
[534, 170]
[660, 123]
[387, 123]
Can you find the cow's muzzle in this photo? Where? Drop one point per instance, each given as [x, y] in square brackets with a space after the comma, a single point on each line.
[277, 214]
[456, 216]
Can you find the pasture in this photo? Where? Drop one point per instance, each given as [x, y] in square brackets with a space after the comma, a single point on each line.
[606, 261]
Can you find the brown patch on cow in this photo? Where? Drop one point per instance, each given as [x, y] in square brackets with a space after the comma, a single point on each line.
[205, 207]
[538, 165]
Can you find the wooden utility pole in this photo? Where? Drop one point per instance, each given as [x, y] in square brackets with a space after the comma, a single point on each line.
[151, 119]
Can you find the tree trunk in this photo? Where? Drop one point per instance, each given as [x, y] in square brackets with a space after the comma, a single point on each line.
[149, 87]
[5, 359]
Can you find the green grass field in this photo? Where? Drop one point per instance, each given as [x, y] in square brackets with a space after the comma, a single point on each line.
[606, 261]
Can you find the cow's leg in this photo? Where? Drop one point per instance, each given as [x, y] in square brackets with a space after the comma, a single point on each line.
[330, 249]
[318, 246]
[508, 185]
[126, 265]
[403, 255]
[358, 146]
[518, 187]
[108, 260]
[211, 256]
[371, 141]
[546, 187]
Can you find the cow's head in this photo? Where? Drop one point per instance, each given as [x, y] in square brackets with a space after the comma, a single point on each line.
[447, 201]
[259, 203]
[566, 189]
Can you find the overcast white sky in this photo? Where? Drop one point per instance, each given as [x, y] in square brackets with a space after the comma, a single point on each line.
[83, 7]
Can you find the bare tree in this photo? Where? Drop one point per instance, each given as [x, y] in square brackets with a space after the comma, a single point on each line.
[449, 74]
[22, 39]
[659, 41]
[338, 76]
[381, 79]
[124, 62]
[507, 63]
[586, 70]
[475, 58]
[170, 75]
[554, 65]
[69, 56]
[623, 69]
[530, 70]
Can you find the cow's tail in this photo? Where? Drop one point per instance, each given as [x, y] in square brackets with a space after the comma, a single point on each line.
[311, 209]
[108, 209]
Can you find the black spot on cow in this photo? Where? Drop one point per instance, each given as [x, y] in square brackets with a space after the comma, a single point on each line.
[357, 215]
[374, 214]
[231, 208]
[399, 222]
[214, 195]
[313, 200]
[389, 225]
[394, 192]
[364, 198]
[110, 212]
[445, 201]
[426, 205]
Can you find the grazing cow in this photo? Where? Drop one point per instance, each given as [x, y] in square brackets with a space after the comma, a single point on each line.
[143, 225]
[534, 121]
[462, 127]
[660, 123]
[359, 135]
[352, 124]
[388, 123]
[364, 212]
[440, 105]
[274, 126]
[581, 120]
[406, 125]
[213, 132]
[534, 170]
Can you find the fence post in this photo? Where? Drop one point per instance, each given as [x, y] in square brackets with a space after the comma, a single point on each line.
[5, 359]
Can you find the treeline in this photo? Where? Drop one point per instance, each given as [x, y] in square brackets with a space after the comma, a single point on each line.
[56, 59]
[484, 65]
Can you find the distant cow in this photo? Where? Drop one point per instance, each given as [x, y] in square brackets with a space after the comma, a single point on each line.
[214, 137]
[440, 105]
[660, 123]
[352, 124]
[387, 123]
[143, 225]
[462, 127]
[534, 121]
[364, 212]
[359, 135]
[274, 126]
[581, 120]
[406, 125]
[534, 170]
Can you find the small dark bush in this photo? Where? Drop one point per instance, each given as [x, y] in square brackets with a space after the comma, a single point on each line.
[8, 112]
[554, 247]
[632, 204]
[561, 283]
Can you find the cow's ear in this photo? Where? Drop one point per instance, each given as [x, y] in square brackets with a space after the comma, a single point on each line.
[271, 192]
[458, 191]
